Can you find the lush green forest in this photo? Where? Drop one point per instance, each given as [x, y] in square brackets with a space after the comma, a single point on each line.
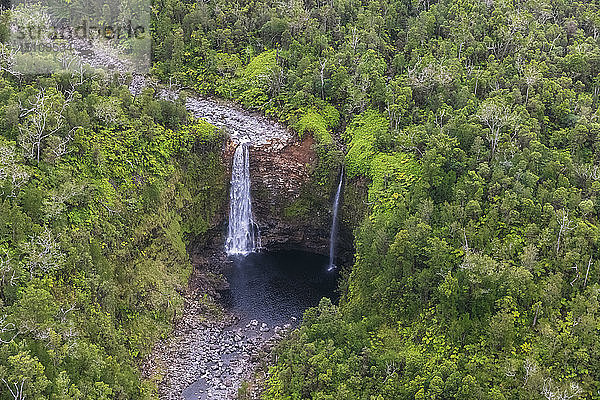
[476, 123]
[98, 199]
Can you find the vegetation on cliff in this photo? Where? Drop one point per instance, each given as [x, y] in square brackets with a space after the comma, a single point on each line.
[100, 192]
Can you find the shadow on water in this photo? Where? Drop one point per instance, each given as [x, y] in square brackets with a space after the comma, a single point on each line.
[274, 287]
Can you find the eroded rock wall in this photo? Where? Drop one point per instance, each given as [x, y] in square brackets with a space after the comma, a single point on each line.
[287, 207]
[292, 211]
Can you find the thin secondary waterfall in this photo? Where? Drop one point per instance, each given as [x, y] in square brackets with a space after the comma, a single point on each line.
[243, 237]
[334, 223]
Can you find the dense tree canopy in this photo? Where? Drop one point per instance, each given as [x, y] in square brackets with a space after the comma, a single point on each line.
[476, 122]
[98, 197]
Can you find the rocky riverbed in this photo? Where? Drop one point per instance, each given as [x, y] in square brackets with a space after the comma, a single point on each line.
[210, 351]
[209, 358]
[241, 125]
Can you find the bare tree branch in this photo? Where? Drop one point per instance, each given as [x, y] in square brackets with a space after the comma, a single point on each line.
[6, 327]
[16, 389]
[565, 225]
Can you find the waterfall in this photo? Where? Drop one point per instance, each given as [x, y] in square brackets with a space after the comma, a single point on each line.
[334, 223]
[243, 237]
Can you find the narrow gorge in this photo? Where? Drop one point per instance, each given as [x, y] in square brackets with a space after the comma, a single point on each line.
[269, 255]
[265, 293]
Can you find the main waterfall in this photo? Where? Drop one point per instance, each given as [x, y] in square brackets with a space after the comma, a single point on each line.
[334, 223]
[243, 237]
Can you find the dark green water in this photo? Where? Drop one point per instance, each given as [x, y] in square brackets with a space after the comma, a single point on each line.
[274, 287]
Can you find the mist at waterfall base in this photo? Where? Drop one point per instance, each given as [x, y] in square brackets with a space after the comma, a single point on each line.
[274, 287]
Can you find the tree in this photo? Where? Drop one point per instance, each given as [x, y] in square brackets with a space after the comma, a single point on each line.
[564, 225]
[43, 253]
[10, 171]
[7, 270]
[7, 331]
[532, 76]
[43, 117]
[7, 60]
[551, 391]
[24, 376]
[16, 389]
[496, 115]
[322, 67]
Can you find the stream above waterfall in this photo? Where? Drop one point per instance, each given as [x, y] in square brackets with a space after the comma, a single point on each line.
[274, 287]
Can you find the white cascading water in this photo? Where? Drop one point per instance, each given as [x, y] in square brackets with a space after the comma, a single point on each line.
[334, 223]
[243, 237]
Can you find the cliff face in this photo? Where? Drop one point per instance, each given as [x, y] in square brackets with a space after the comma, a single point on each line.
[292, 211]
[279, 180]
